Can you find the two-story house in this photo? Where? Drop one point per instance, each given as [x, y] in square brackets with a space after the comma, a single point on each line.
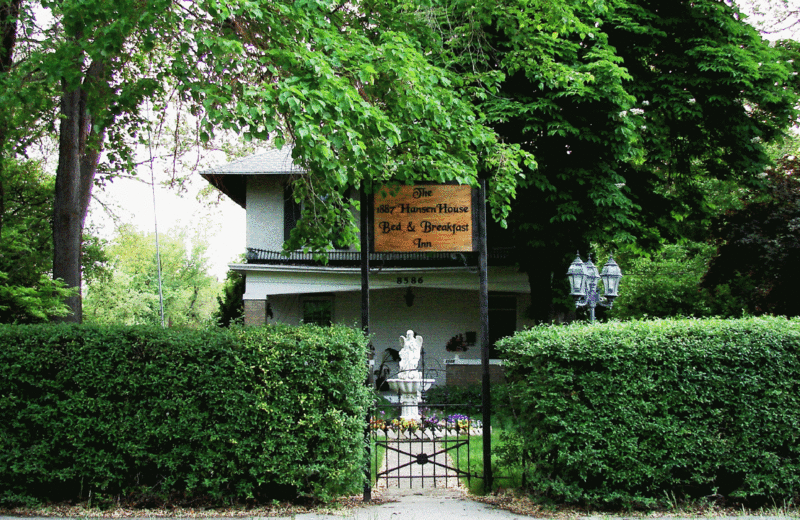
[434, 294]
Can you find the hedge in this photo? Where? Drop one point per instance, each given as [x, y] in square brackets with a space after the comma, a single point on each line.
[628, 413]
[273, 412]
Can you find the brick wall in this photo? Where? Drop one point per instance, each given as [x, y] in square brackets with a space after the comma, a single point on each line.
[255, 312]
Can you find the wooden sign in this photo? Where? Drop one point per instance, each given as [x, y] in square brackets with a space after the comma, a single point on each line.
[423, 218]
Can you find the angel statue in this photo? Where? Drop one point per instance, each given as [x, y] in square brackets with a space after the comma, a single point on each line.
[409, 355]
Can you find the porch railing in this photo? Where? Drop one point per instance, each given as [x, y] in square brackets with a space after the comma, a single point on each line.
[497, 256]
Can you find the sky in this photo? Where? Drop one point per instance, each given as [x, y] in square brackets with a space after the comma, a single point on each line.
[131, 202]
[777, 19]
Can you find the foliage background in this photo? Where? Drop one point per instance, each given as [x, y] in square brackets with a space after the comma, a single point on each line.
[28, 294]
[759, 245]
[667, 283]
[128, 293]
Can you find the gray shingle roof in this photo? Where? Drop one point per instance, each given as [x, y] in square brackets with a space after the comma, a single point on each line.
[231, 178]
[272, 162]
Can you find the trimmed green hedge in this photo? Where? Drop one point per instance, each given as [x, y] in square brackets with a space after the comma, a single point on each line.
[273, 412]
[624, 413]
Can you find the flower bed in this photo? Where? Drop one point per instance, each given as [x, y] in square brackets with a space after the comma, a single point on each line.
[429, 424]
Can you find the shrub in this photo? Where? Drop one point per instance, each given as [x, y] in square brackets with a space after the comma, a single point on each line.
[668, 284]
[233, 414]
[458, 399]
[467, 400]
[623, 413]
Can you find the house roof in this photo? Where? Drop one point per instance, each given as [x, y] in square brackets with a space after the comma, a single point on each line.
[230, 178]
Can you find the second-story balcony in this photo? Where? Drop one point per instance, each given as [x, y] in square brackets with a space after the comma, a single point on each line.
[496, 256]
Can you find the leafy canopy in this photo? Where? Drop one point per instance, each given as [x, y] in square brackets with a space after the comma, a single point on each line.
[613, 109]
[630, 108]
[353, 86]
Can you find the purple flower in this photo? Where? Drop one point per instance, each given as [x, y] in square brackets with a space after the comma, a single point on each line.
[454, 418]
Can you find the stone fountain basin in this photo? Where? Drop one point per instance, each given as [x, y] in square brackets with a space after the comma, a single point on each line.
[410, 386]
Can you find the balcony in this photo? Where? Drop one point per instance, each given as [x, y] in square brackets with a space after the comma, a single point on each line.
[497, 256]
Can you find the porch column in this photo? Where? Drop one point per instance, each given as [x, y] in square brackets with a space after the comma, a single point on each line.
[255, 313]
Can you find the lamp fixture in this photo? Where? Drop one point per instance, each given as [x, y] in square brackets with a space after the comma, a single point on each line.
[583, 278]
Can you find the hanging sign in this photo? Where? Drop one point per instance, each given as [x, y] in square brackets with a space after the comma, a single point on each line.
[423, 218]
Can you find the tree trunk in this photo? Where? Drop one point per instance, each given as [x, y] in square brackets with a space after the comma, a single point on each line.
[543, 272]
[9, 11]
[539, 279]
[67, 211]
[78, 154]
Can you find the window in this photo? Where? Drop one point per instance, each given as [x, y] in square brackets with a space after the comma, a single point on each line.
[318, 310]
[291, 212]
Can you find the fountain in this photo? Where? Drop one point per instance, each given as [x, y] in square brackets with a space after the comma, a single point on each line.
[409, 383]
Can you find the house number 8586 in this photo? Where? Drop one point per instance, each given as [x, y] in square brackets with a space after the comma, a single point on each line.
[405, 280]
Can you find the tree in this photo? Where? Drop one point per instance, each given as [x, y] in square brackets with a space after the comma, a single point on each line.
[231, 303]
[129, 293]
[667, 283]
[622, 104]
[24, 112]
[351, 86]
[9, 12]
[27, 294]
[629, 108]
[100, 49]
[759, 245]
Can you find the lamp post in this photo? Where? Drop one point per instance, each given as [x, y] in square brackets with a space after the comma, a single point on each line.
[583, 278]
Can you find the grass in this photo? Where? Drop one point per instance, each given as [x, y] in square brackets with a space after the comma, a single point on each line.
[505, 477]
[375, 459]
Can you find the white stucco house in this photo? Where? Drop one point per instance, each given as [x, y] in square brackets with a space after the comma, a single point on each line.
[435, 294]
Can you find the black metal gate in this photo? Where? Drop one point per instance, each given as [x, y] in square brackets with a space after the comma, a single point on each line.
[431, 450]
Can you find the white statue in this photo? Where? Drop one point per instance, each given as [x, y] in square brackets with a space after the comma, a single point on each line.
[409, 355]
[409, 383]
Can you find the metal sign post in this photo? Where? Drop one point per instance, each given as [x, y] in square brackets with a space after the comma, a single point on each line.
[365, 322]
[486, 403]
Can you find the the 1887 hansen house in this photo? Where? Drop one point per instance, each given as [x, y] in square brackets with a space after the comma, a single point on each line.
[436, 294]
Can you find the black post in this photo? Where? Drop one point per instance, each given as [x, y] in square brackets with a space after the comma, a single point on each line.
[486, 403]
[365, 220]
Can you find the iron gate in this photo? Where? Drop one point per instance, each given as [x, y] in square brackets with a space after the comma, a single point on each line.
[431, 451]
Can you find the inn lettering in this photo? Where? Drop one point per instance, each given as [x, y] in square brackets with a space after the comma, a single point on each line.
[436, 218]
[420, 192]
